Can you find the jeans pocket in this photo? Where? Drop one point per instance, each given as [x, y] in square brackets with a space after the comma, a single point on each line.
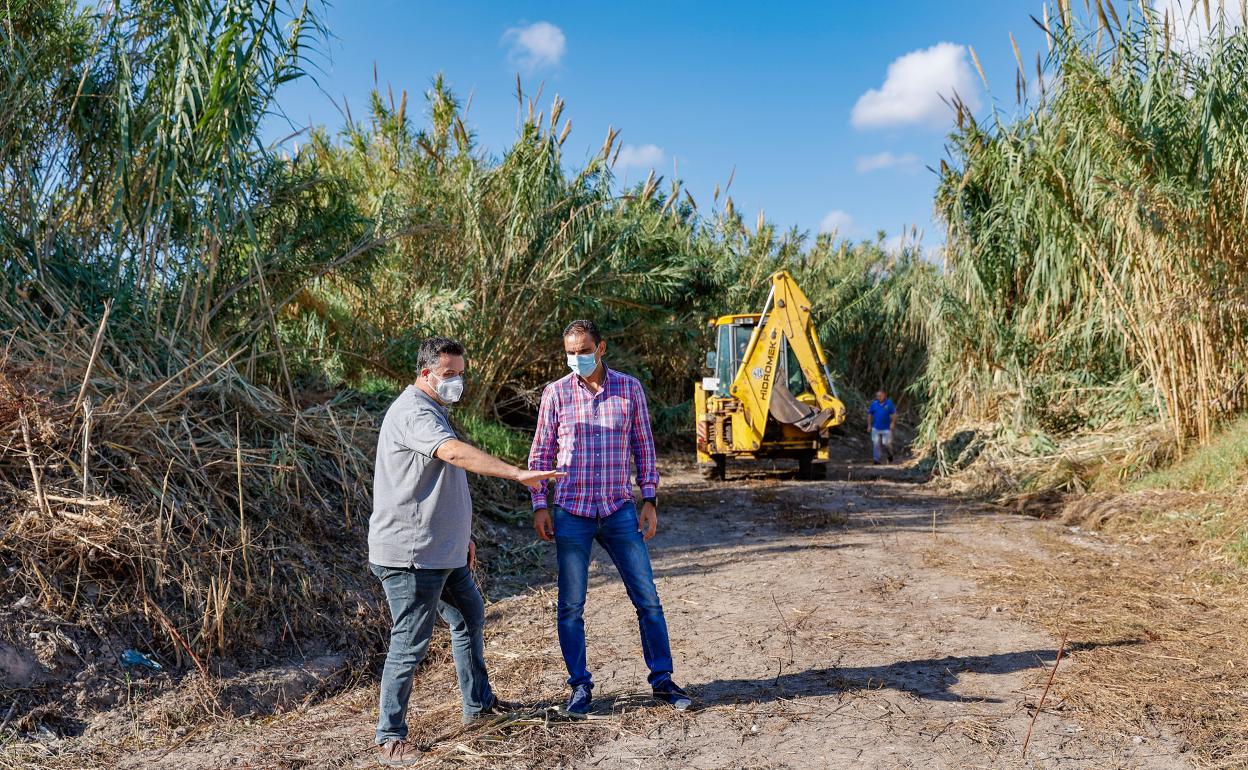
[381, 573]
[628, 512]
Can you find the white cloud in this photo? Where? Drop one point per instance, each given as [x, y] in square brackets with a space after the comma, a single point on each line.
[914, 87]
[540, 44]
[910, 239]
[868, 163]
[1190, 30]
[1045, 86]
[895, 243]
[836, 221]
[645, 156]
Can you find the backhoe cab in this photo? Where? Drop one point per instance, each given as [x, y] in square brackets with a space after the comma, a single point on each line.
[770, 394]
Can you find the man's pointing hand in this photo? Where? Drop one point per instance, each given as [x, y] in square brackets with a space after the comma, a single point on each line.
[534, 479]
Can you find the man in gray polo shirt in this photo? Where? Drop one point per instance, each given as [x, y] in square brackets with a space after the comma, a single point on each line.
[420, 546]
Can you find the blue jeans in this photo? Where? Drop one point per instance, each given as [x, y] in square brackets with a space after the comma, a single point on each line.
[413, 595]
[574, 537]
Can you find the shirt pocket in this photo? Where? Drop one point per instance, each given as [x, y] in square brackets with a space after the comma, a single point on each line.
[616, 413]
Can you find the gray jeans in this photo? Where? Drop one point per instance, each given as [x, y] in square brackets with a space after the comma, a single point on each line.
[413, 595]
[881, 443]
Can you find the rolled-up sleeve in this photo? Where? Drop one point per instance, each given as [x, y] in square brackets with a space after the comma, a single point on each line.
[641, 443]
[543, 451]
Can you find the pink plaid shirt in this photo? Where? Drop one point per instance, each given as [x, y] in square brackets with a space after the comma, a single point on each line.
[592, 438]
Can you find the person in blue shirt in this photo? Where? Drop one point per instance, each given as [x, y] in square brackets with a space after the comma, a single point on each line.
[881, 423]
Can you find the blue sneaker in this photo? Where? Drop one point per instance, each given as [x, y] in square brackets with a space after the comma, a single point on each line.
[671, 694]
[579, 703]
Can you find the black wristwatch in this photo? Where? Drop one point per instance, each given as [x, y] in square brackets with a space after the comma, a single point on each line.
[651, 500]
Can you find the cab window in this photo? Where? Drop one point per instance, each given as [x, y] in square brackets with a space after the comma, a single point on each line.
[796, 380]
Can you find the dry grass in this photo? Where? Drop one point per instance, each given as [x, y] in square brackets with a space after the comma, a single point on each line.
[195, 501]
[168, 504]
[1159, 640]
[182, 729]
[1212, 527]
[1012, 468]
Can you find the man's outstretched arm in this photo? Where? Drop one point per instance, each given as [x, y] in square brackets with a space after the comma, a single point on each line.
[468, 457]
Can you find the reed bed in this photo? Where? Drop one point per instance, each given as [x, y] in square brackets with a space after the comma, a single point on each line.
[226, 518]
[1097, 255]
[181, 304]
[501, 253]
[160, 467]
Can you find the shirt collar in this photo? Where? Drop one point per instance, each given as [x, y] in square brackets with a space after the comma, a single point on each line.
[422, 395]
[607, 377]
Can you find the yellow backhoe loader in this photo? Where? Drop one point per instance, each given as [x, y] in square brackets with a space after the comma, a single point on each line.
[770, 393]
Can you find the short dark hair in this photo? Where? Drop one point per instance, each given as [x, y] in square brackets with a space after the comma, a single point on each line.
[583, 326]
[432, 350]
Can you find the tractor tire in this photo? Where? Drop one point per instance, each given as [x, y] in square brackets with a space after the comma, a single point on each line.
[808, 470]
[718, 470]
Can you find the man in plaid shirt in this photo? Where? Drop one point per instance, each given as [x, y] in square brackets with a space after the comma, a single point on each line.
[591, 424]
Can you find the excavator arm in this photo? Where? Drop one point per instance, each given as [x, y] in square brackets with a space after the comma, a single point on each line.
[758, 384]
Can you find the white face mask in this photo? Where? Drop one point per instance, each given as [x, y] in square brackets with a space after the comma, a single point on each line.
[448, 390]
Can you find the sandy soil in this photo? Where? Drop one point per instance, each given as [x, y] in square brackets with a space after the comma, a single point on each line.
[818, 624]
[816, 635]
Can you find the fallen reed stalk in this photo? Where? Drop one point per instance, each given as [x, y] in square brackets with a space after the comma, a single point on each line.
[1044, 696]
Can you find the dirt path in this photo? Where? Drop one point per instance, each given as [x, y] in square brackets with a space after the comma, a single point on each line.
[817, 632]
[819, 624]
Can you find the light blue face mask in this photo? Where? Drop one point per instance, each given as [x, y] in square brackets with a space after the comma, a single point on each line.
[584, 365]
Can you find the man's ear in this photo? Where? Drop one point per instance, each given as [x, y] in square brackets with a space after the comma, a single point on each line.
[602, 348]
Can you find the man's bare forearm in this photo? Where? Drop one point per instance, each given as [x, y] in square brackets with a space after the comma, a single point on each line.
[470, 458]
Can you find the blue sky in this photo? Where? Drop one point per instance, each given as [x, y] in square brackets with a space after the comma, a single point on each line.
[828, 111]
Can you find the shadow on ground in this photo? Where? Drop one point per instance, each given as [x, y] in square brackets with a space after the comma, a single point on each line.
[929, 678]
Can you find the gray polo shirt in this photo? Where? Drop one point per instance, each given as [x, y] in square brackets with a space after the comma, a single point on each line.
[422, 512]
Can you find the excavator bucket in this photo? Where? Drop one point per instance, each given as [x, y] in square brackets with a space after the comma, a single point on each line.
[787, 409]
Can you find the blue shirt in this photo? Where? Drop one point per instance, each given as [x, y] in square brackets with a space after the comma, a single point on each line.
[882, 414]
